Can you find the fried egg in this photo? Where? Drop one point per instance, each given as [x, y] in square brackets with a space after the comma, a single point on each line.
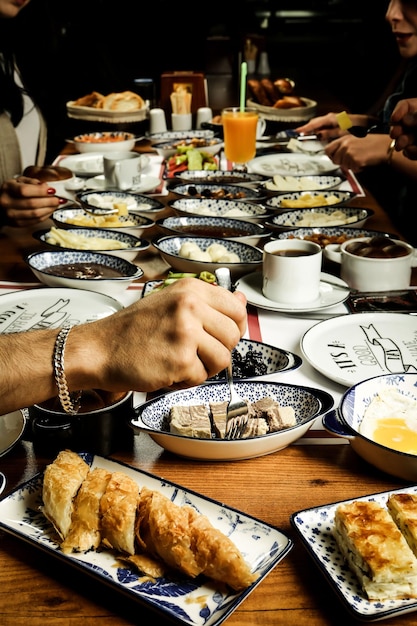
[391, 420]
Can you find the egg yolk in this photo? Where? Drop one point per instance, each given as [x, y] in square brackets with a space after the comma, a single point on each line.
[394, 433]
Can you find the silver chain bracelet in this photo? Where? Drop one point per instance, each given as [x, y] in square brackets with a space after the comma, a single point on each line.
[69, 404]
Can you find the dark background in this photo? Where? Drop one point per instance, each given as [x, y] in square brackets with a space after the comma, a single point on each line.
[342, 48]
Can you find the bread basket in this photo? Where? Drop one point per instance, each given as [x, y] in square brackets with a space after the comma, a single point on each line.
[295, 114]
[90, 114]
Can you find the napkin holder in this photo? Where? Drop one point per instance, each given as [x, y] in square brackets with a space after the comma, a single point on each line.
[193, 82]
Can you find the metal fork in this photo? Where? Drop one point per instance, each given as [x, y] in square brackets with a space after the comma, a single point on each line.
[237, 413]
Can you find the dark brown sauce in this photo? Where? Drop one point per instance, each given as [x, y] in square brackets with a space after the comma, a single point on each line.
[292, 252]
[83, 270]
[213, 231]
[377, 248]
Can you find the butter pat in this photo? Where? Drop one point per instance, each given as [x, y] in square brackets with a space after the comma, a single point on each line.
[343, 120]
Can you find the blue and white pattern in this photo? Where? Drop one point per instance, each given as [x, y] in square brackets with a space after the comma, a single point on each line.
[176, 597]
[290, 218]
[42, 260]
[134, 201]
[336, 197]
[329, 231]
[315, 527]
[210, 189]
[247, 253]
[111, 235]
[175, 223]
[219, 176]
[315, 183]
[221, 208]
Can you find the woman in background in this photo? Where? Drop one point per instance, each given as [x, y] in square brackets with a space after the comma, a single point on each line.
[389, 175]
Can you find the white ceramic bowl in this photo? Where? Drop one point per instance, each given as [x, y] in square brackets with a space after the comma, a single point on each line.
[318, 217]
[345, 422]
[169, 247]
[41, 262]
[235, 209]
[178, 135]
[141, 225]
[333, 198]
[209, 145]
[135, 245]
[107, 141]
[309, 403]
[220, 227]
[323, 236]
[386, 265]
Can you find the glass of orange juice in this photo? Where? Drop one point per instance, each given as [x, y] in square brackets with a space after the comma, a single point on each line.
[239, 131]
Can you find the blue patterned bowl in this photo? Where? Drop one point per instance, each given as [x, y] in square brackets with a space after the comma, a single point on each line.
[308, 403]
[41, 262]
[320, 216]
[218, 191]
[135, 245]
[346, 421]
[169, 248]
[220, 227]
[140, 226]
[236, 209]
[333, 198]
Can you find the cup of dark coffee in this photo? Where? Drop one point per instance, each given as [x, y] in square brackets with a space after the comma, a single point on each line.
[291, 271]
[101, 426]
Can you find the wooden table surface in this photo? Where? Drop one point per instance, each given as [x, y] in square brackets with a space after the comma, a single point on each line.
[37, 589]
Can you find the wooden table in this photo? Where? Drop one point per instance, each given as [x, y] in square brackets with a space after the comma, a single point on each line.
[36, 589]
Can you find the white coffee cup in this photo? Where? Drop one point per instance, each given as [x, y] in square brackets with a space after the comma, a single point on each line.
[291, 271]
[204, 114]
[366, 273]
[122, 170]
[157, 121]
[182, 121]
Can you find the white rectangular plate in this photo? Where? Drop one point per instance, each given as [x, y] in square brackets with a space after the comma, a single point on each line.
[263, 547]
[315, 527]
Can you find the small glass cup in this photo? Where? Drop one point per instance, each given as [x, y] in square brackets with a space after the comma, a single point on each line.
[239, 130]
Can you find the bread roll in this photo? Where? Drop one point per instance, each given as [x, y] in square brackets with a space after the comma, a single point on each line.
[92, 99]
[123, 101]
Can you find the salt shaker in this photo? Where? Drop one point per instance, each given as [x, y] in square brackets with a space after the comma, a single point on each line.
[204, 114]
[157, 121]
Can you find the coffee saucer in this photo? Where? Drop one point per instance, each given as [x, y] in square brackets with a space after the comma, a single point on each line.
[333, 291]
[147, 183]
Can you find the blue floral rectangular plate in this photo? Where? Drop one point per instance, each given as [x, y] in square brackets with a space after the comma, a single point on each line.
[179, 599]
[315, 527]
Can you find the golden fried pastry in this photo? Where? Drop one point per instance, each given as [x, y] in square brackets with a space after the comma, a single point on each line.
[92, 99]
[61, 482]
[217, 555]
[118, 507]
[123, 101]
[163, 530]
[403, 510]
[376, 551]
[146, 564]
[84, 532]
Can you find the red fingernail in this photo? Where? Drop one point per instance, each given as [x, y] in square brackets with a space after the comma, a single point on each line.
[51, 191]
[63, 201]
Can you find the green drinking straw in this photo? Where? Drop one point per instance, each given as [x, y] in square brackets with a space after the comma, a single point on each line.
[243, 74]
